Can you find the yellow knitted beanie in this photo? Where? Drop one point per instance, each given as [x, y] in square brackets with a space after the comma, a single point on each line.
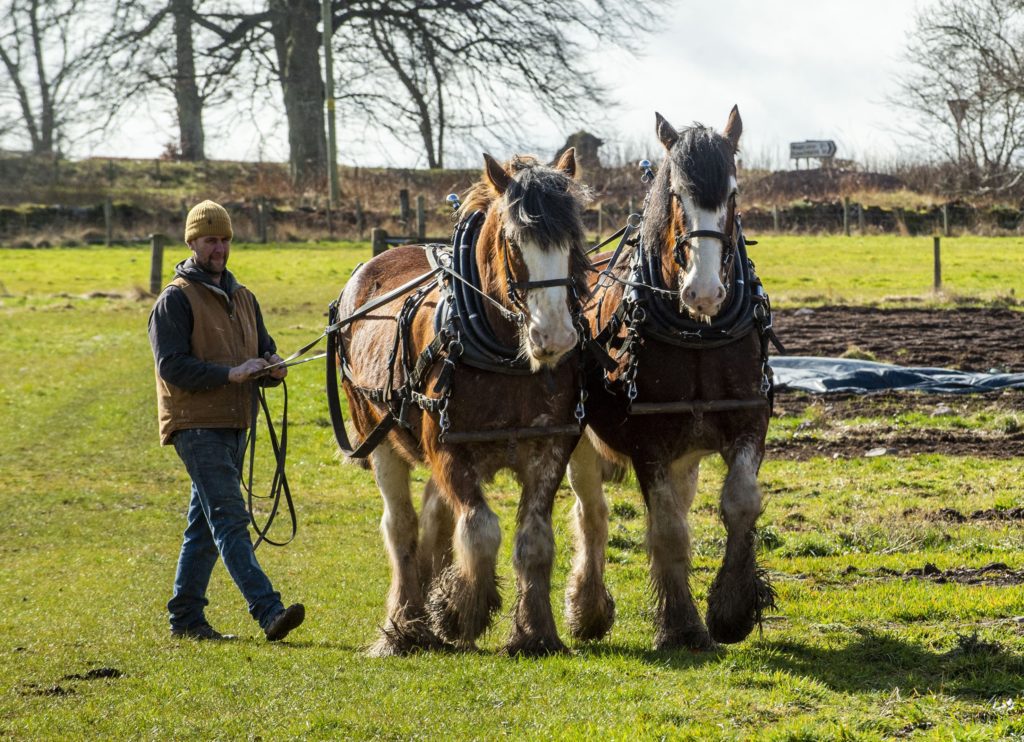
[207, 219]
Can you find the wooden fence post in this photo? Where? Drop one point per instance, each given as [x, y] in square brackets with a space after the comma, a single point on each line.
[360, 219]
[108, 219]
[860, 218]
[775, 217]
[846, 215]
[380, 241]
[936, 250]
[945, 220]
[261, 219]
[403, 209]
[156, 263]
[421, 218]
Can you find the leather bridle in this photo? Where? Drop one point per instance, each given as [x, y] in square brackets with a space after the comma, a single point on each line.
[515, 287]
[728, 238]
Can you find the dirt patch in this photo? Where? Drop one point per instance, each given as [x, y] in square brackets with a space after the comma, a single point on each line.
[997, 574]
[952, 515]
[97, 673]
[844, 406]
[894, 441]
[969, 339]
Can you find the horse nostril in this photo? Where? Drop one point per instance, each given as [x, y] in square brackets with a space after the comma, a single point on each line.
[689, 295]
[537, 337]
[721, 293]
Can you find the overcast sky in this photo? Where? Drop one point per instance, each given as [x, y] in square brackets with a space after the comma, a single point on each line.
[798, 69]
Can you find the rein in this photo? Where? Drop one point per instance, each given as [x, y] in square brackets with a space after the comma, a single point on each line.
[279, 484]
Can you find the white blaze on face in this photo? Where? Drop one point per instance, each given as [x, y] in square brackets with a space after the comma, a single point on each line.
[701, 290]
[549, 334]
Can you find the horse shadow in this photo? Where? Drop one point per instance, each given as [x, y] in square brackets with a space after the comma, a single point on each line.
[868, 660]
[873, 660]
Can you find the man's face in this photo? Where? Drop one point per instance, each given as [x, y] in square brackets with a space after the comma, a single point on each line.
[211, 253]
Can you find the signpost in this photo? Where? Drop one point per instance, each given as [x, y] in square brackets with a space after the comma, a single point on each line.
[821, 149]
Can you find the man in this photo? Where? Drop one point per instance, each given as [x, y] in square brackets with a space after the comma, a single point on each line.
[210, 346]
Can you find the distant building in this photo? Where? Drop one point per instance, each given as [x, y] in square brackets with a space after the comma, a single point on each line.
[586, 145]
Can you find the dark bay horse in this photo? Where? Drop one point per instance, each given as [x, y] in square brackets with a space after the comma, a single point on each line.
[531, 266]
[692, 379]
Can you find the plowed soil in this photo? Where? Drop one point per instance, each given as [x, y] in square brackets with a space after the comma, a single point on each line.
[965, 339]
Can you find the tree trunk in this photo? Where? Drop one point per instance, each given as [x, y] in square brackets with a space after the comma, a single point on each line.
[42, 143]
[186, 92]
[297, 42]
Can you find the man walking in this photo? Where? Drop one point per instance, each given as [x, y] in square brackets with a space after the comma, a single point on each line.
[210, 344]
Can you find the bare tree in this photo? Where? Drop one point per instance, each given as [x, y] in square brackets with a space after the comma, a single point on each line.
[425, 68]
[157, 50]
[966, 88]
[47, 53]
[471, 67]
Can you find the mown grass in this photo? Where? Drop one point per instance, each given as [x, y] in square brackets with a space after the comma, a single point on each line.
[889, 270]
[94, 510]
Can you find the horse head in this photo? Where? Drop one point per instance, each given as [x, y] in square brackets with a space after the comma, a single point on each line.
[692, 211]
[532, 249]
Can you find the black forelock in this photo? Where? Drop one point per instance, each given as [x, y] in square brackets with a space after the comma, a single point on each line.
[702, 160]
[543, 205]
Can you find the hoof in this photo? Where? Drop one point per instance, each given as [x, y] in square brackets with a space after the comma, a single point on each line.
[458, 613]
[695, 638]
[590, 620]
[405, 637]
[532, 646]
[733, 613]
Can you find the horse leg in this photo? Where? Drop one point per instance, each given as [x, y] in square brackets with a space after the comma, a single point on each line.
[739, 594]
[437, 526]
[669, 494]
[589, 607]
[464, 596]
[405, 629]
[533, 631]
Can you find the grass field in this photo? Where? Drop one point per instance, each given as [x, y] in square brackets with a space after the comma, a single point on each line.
[861, 648]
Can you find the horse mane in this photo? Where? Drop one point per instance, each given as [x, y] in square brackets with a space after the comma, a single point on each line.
[542, 205]
[702, 160]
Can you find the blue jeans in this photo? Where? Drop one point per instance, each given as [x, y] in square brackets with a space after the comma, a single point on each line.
[218, 523]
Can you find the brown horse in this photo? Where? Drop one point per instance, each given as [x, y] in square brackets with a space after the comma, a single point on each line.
[531, 266]
[685, 318]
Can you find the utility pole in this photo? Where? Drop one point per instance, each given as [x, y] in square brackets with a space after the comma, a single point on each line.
[332, 140]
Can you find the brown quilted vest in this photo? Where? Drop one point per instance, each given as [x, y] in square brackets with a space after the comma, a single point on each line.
[218, 336]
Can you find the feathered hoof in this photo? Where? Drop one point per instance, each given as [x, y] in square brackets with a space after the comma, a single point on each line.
[458, 613]
[590, 620]
[732, 614]
[521, 645]
[402, 638]
[694, 638]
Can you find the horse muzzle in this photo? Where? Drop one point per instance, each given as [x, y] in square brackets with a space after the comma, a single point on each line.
[547, 346]
[702, 301]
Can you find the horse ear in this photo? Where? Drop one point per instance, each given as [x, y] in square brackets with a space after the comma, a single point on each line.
[733, 128]
[666, 133]
[567, 162]
[495, 174]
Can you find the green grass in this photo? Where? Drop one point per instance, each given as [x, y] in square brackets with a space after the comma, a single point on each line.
[889, 270]
[94, 510]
